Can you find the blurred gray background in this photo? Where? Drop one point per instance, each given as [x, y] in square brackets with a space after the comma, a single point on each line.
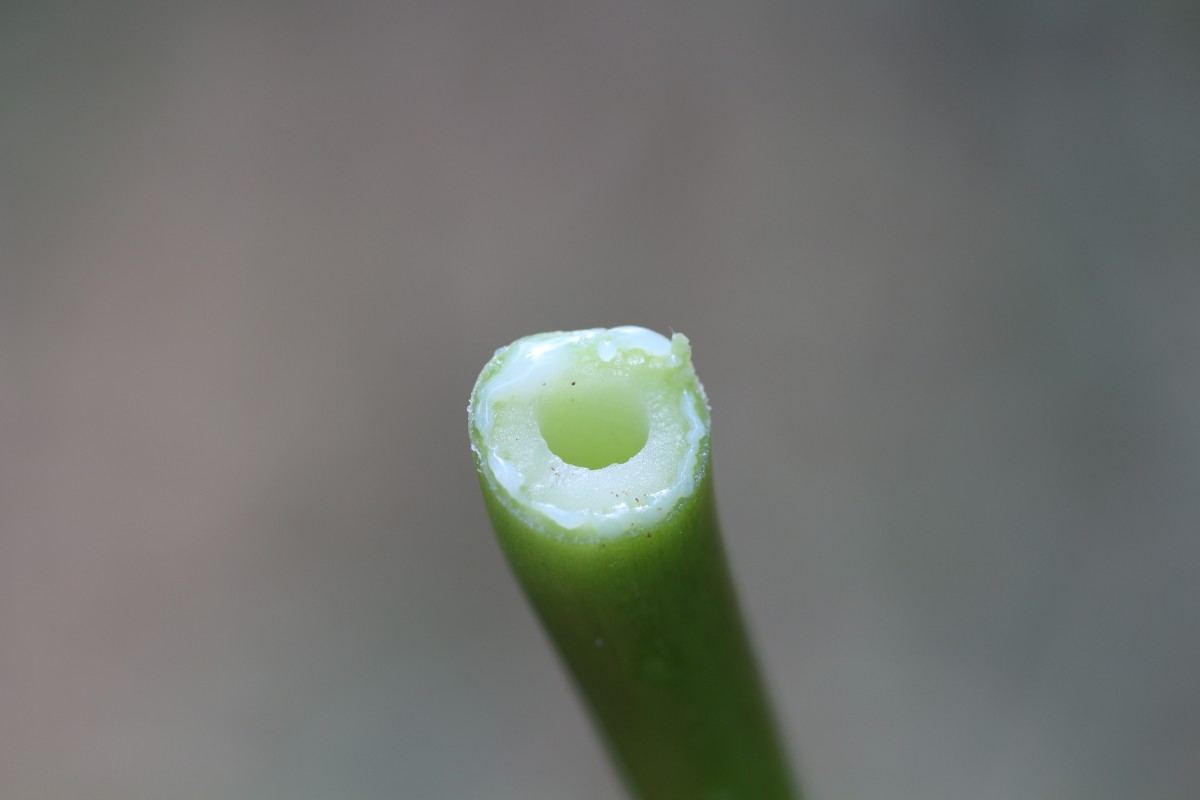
[940, 265]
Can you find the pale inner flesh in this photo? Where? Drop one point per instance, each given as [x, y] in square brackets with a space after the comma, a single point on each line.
[599, 431]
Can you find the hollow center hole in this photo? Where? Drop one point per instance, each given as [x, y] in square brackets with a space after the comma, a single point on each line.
[593, 423]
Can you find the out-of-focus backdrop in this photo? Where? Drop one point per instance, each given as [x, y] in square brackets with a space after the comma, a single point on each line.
[940, 265]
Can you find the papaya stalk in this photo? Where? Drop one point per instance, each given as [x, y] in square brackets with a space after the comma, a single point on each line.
[594, 453]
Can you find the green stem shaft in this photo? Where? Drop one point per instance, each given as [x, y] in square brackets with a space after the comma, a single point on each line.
[649, 628]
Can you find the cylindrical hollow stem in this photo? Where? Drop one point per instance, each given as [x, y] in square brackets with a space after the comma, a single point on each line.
[593, 452]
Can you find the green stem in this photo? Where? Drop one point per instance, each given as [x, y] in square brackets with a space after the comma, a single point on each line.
[593, 452]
